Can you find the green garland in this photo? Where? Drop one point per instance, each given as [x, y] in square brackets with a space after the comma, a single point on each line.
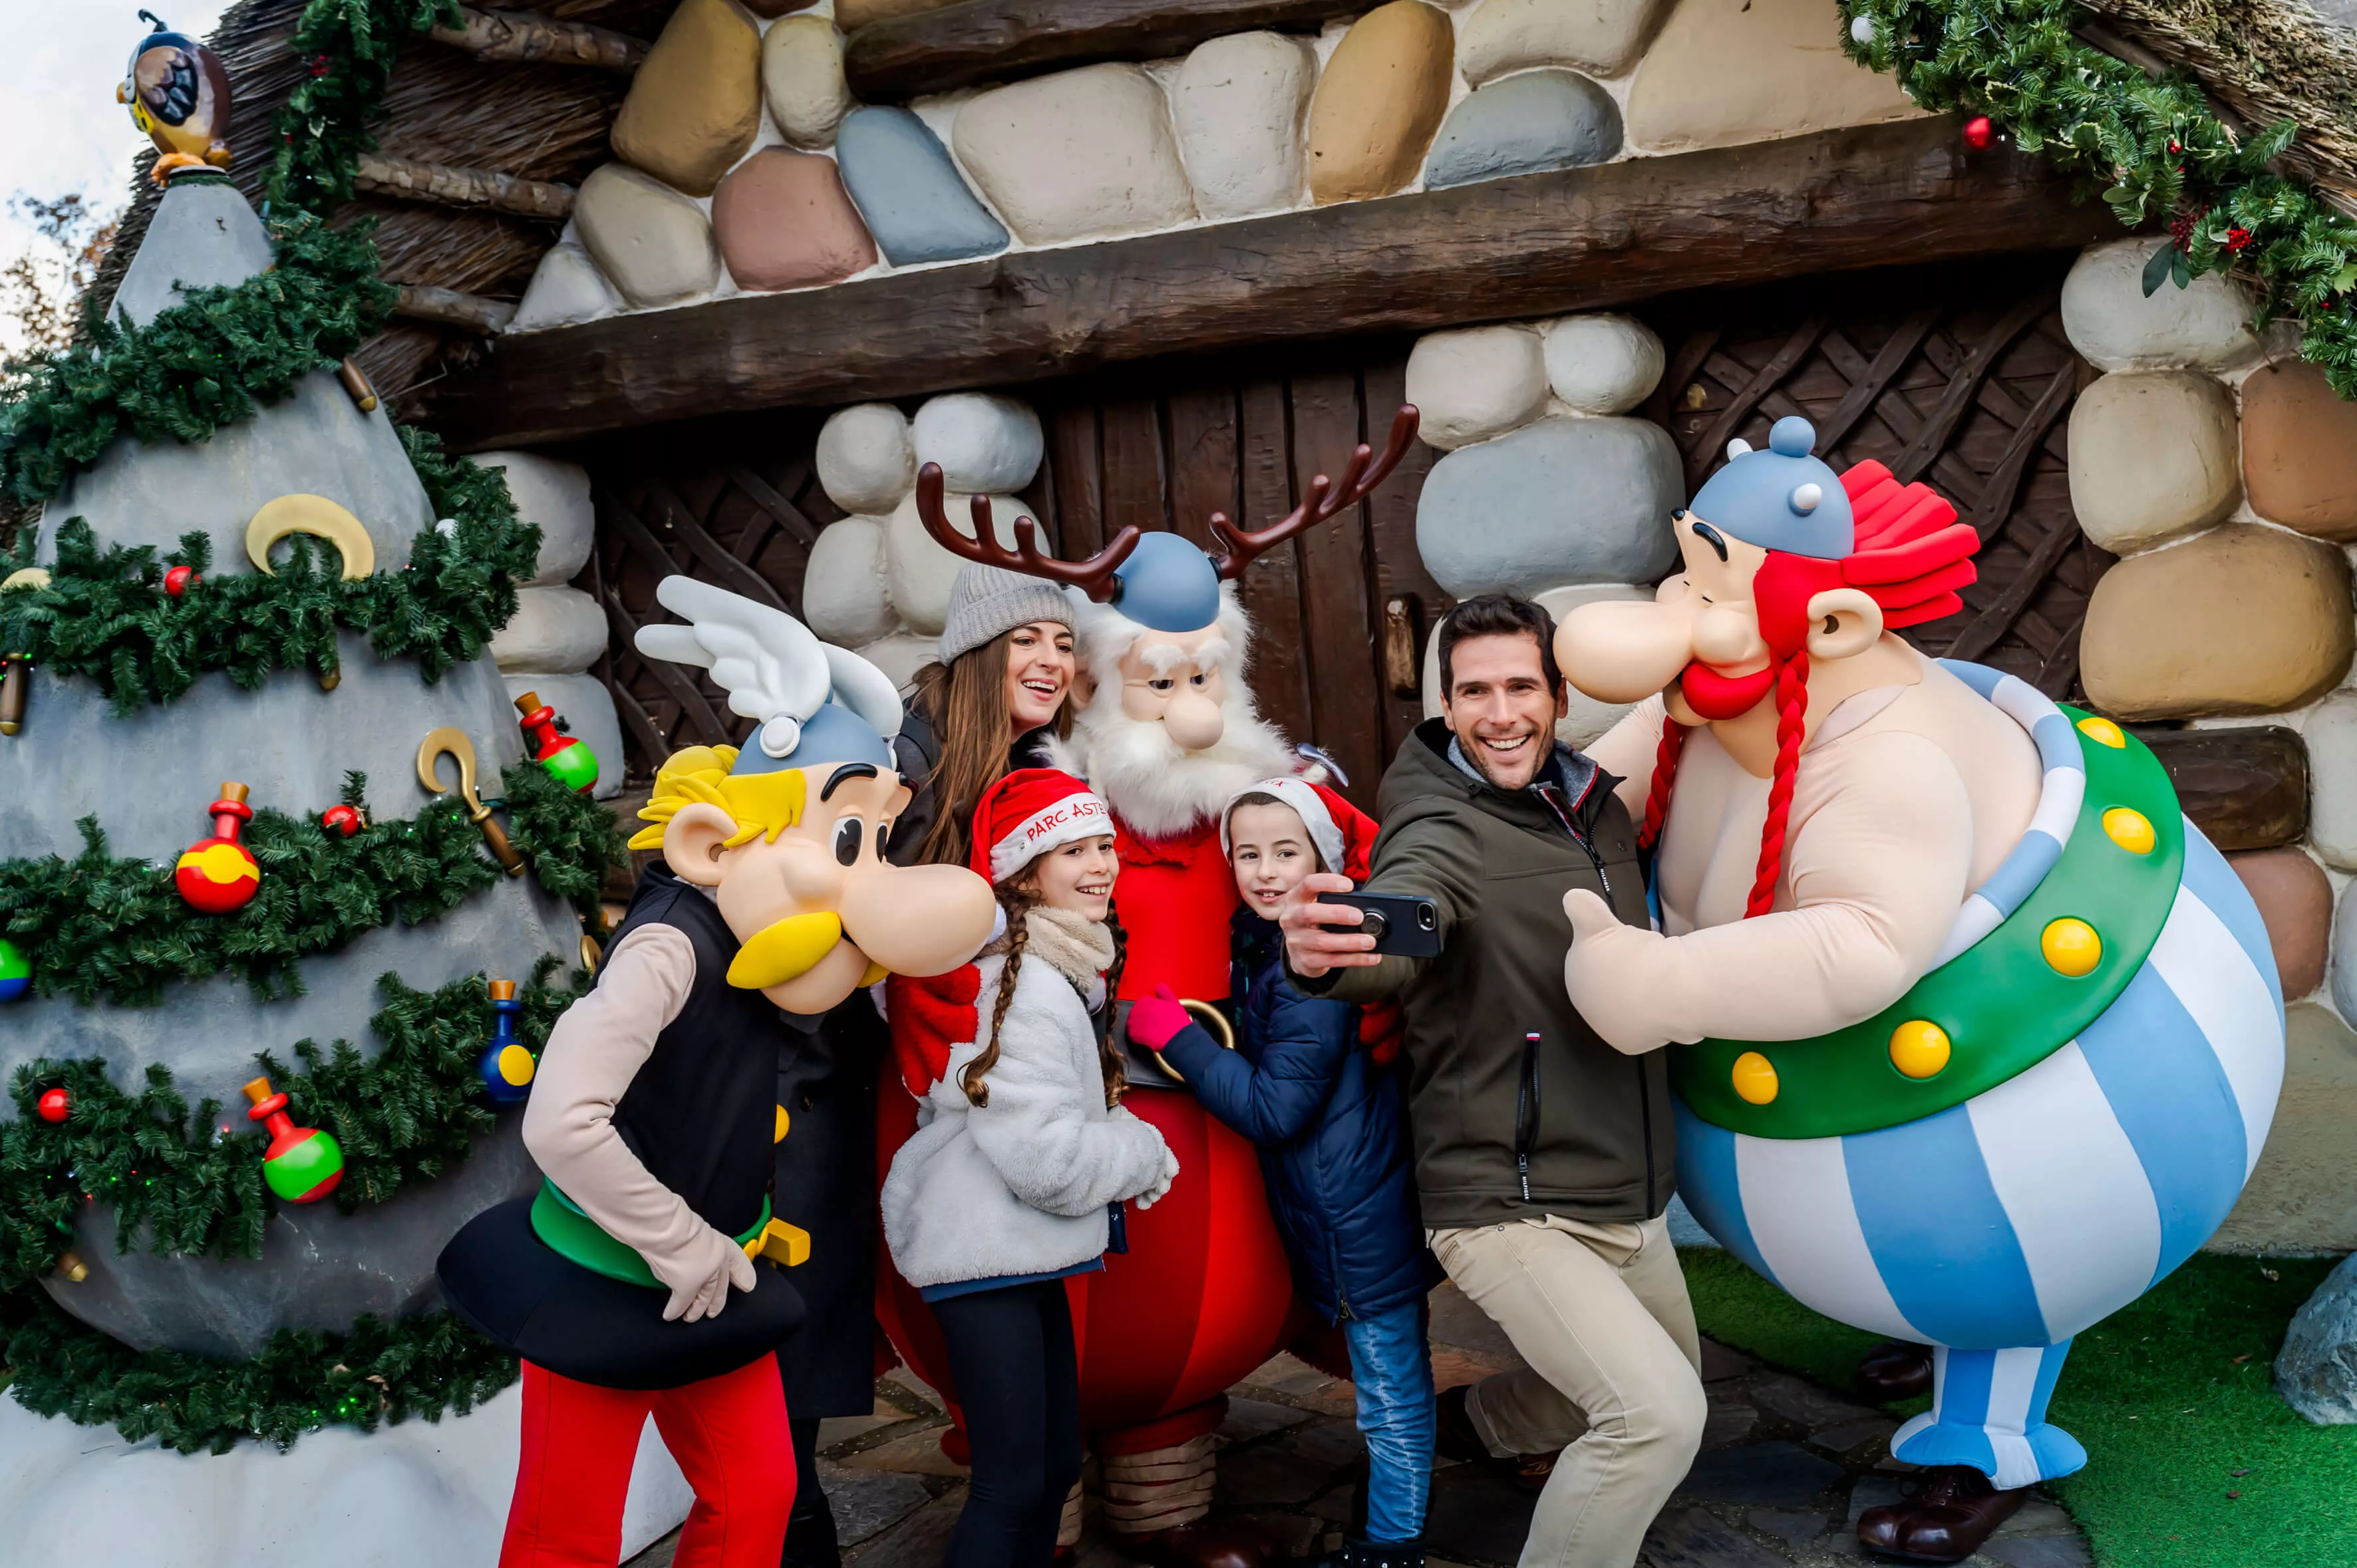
[2155, 145]
[377, 1374]
[194, 1181]
[99, 925]
[348, 47]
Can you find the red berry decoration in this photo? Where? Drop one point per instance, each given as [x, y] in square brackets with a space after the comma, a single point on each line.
[2236, 239]
[344, 820]
[180, 579]
[1979, 133]
[218, 874]
[55, 1105]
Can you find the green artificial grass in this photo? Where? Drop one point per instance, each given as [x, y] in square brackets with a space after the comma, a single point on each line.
[2194, 1462]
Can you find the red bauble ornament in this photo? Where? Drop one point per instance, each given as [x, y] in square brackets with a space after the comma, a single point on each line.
[1979, 133]
[55, 1105]
[218, 874]
[345, 820]
[180, 579]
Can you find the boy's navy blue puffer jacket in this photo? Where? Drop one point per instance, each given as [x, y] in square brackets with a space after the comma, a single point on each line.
[1331, 1128]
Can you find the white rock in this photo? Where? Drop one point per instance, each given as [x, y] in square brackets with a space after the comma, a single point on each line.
[1476, 383]
[801, 79]
[587, 707]
[865, 463]
[556, 497]
[2108, 319]
[2154, 454]
[1238, 103]
[2332, 735]
[654, 245]
[901, 655]
[555, 632]
[1588, 718]
[846, 598]
[918, 572]
[417, 1493]
[1602, 364]
[565, 288]
[1599, 37]
[1080, 154]
[981, 443]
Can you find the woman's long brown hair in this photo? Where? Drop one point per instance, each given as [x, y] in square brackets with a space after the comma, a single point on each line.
[966, 700]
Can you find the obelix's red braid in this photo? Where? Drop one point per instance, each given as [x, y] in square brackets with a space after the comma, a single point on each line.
[1912, 558]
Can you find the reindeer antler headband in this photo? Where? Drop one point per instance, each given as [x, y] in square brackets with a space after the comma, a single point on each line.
[1160, 579]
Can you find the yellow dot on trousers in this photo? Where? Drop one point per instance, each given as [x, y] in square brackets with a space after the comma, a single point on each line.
[2132, 831]
[1755, 1078]
[516, 1065]
[2070, 945]
[783, 1121]
[2102, 732]
[1919, 1048]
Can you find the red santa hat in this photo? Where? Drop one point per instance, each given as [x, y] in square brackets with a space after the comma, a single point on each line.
[1029, 812]
[1343, 835]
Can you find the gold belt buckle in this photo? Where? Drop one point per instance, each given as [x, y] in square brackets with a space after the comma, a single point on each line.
[1214, 1019]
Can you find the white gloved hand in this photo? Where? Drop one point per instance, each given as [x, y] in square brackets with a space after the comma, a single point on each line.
[700, 1274]
[1153, 1195]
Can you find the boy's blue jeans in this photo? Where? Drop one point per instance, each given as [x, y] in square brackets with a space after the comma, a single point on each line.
[1392, 1371]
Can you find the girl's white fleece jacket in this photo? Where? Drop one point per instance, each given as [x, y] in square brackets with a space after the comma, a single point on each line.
[1018, 1186]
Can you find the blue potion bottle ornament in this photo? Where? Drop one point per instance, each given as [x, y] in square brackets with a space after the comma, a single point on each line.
[507, 1065]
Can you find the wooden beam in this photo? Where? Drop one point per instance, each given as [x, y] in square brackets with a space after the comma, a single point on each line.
[448, 307]
[442, 185]
[2245, 787]
[996, 40]
[528, 36]
[1532, 245]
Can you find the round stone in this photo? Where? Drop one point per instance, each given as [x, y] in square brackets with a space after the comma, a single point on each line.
[1380, 99]
[920, 572]
[1077, 154]
[1722, 76]
[2295, 903]
[801, 80]
[866, 461]
[555, 632]
[1237, 104]
[554, 498]
[2109, 318]
[654, 244]
[844, 595]
[1754, 1078]
[1918, 1049]
[784, 221]
[2152, 456]
[2102, 732]
[1477, 383]
[912, 197]
[2299, 451]
[695, 104]
[566, 287]
[2070, 945]
[1602, 363]
[2130, 829]
[983, 443]
[1536, 120]
[1560, 500]
[1602, 36]
[2330, 734]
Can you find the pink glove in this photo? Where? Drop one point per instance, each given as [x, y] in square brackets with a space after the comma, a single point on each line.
[1154, 1020]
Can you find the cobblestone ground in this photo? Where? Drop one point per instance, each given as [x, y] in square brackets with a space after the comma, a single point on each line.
[1785, 1470]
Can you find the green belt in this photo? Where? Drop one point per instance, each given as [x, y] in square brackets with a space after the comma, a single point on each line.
[2002, 1006]
[576, 1238]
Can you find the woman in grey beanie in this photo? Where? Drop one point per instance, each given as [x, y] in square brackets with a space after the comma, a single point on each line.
[1003, 684]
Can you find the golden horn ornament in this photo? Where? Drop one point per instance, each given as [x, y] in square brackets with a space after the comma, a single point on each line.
[454, 743]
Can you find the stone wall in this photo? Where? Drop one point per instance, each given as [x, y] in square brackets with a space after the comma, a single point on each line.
[743, 164]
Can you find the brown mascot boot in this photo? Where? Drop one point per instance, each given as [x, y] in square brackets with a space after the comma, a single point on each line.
[1455, 1438]
[1895, 1370]
[1952, 1513]
[1207, 1543]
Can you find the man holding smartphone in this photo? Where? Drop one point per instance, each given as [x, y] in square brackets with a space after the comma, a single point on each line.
[1544, 1158]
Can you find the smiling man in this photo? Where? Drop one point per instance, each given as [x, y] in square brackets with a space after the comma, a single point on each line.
[1544, 1158]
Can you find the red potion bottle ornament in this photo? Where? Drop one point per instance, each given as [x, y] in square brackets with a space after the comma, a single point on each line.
[568, 761]
[302, 1164]
[217, 875]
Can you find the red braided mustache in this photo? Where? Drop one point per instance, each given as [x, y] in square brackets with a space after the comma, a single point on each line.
[1718, 696]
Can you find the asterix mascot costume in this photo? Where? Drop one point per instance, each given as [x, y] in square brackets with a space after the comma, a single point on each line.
[1169, 735]
[1976, 1036]
[644, 1277]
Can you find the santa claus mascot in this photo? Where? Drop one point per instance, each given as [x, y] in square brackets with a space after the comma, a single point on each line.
[1169, 735]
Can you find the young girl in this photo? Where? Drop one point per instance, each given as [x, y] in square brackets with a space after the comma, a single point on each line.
[1333, 1142]
[1021, 1148]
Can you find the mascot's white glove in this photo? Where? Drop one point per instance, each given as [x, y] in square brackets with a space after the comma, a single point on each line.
[1153, 1195]
[1606, 976]
[700, 1274]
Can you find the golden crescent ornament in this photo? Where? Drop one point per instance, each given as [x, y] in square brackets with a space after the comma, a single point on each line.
[26, 577]
[314, 515]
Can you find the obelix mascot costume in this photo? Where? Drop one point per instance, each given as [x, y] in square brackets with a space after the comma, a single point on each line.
[643, 1277]
[1169, 735]
[1975, 1036]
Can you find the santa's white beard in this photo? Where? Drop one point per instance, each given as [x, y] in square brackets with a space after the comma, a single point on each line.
[1157, 790]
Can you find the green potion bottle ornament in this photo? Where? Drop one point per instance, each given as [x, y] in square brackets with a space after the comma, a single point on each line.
[568, 761]
[302, 1164]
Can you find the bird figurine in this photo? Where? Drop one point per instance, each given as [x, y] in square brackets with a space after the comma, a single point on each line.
[179, 95]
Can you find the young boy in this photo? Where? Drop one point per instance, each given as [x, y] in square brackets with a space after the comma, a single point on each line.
[1333, 1147]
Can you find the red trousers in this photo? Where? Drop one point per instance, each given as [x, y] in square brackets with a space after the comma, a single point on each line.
[729, 1433]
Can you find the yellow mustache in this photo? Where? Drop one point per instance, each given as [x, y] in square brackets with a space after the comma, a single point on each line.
[777, 953]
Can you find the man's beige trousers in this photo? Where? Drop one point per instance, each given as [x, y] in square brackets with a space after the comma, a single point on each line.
[1600, 1314]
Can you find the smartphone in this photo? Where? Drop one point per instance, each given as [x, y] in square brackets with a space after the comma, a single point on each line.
[1403, 925]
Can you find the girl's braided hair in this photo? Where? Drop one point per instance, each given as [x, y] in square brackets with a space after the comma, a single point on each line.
[1019, 901]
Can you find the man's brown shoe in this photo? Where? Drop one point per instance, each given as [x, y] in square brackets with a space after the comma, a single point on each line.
[1952, 1513]
[1455, 1438]
[1895, 1370]
[1207, 1543]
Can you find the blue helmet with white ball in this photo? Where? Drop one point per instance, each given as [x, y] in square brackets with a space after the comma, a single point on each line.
[1784, 499]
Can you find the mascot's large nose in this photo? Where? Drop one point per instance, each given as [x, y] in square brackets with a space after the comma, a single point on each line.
[919, 919]
[1192, 721]
[1624, 652]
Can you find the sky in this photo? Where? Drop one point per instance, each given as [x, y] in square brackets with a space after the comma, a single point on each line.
[60, 61]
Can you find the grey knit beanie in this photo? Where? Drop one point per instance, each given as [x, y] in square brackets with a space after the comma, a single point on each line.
[987, 600]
